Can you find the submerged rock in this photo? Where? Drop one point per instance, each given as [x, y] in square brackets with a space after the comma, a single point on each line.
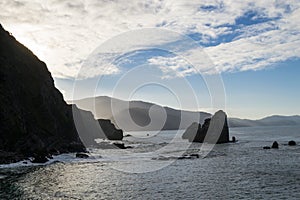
[266, 147]
[214, 130]
[292, 143]
[183, 157]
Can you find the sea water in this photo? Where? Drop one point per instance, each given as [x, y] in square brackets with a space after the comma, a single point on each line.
[241, 170]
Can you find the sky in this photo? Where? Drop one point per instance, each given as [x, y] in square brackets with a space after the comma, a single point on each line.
[240, 56]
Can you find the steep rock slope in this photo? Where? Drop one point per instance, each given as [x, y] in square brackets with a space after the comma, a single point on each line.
[34, 118]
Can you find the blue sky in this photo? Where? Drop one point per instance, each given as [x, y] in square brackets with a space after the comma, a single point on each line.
[253, 45]
[250, 94]
[254, 94]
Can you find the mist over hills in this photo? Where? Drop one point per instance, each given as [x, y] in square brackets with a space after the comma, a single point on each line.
[275, 120]
[139, 115]
[128, 114]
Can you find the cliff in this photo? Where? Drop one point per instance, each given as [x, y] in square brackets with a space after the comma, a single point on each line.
[34, 117]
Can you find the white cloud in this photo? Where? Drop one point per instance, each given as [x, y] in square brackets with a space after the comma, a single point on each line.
[172, 66]
[64, 33]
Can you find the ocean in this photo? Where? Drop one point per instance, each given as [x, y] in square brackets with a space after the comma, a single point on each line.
[150, 170]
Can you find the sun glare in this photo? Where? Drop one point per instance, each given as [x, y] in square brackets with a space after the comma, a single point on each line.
[26, 38]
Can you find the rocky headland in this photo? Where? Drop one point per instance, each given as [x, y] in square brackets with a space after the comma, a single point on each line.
[35, 120]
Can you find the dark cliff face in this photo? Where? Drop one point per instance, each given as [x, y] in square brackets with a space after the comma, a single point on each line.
[214, 130]
[90, 129]
[34, 116]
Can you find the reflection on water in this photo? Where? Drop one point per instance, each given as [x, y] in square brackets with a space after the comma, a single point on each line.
[230, 171]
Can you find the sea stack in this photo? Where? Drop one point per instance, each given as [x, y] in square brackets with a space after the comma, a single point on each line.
[214, 130]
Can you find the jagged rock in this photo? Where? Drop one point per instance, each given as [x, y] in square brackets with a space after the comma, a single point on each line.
[110, 130]
[127, 135]
[191, 131]
[214, 130]
[82, 155]
[10, 157]
[195, 155]
[275, 145]
[122, 145]
[40, 159]
[233, 139]
[90, 129]
[292, 143]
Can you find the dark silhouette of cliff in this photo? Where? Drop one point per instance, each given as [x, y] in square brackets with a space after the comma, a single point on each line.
[34, 118]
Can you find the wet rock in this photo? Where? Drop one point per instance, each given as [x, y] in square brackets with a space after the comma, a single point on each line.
[127, 135]
[40, 159]
[184, 157]
[10, 157]
[195, 155]
[275, 145]
[122, 145]
[233, 139]
[82, 155]
[266, 147]
[292, 143]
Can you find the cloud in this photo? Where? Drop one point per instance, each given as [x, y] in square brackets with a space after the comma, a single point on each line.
[172, 67]
[237, 35]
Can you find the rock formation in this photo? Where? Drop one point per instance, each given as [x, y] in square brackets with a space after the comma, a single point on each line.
[266, 147]
[214, 130]
[35, 121]
[90, 129]
[275, 145]
[292, 143]
[82, 155]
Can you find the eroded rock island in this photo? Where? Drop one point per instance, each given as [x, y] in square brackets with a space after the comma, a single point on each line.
[214, 130]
